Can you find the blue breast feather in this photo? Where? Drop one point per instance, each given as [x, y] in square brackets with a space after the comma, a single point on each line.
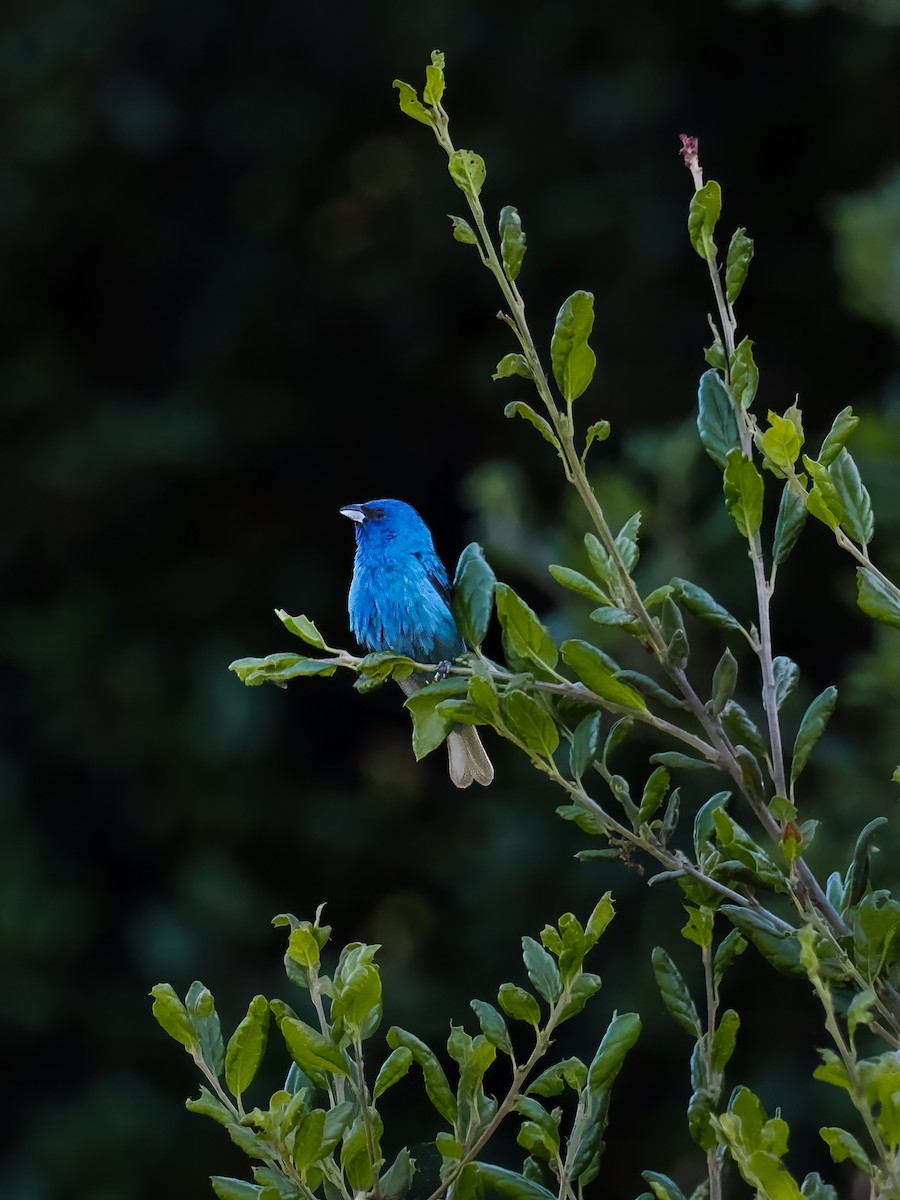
[398, 603]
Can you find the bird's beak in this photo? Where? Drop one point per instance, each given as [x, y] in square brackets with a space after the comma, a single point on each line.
[355, 514]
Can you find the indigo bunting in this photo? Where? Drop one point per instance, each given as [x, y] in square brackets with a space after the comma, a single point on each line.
[400, 601]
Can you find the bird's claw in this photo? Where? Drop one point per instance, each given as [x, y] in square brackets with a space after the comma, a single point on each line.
[442, 671]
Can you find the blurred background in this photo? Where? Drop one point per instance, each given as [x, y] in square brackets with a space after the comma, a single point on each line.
[229, 304]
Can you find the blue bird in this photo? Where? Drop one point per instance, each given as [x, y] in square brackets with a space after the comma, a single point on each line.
[400, 601]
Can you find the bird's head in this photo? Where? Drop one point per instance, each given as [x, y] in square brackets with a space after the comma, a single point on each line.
[383, 522]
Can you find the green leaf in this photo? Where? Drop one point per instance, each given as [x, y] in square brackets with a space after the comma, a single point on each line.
[492, 1025]
[278, 668]
[860, 1011]
[529, 721]
[463, 232]
[576, 582]
[337, 1122]
[585, 748]
[792, 513]
[436, 1085]
[699, 926]
[705, 824]
[787, 675]
[674, 992]
[173, 1016]
[744, 375]
[473, 1104]
[858, 520]
[542, 970]
[379, 666]
[739, 846]
[208, 1105]
[670, 817]
[616, 736]
[430, 726]
[724, 682]
[355, 1161]
[617, 618]
[654, 793]
[716, 420]
[201, 1009]
[478, 1180]
[234, 1189]
[394, 1067]
[880, 1079]
[519, 1004]
[737, 264]
[308, 1139]
[467, 170]
[724, 1040]
[603, 912]
[303, 946]
[512, 242]
[742, 730]
[877, 599]
[743, 487]
[434, 80]
[842, 427]
[649, 687]
[597, 432]
[571, 357]
[811, 729]
[412, 105]
[675, 760]
[822, 500]
[513, 364]
[627, 542]
[473, 595]
[843, 1145]
[729, 949]
[703, 216]
[246, 1047]
[758, 1146]
[518, 408]
[662, 1187]
[781, 443]
[715, 354]
[778, 946]
[703, 606]
[672, 626]
[571, 1072]
[526, 643]
[858, 874]
[312, 1051]
[397, 1180]
[814, 1187]
[621, 1034]
[302, 627]
[876, 929]
[357, 993]
[589, 665]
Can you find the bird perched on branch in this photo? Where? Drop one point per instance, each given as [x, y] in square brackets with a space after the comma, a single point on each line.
[400, 601]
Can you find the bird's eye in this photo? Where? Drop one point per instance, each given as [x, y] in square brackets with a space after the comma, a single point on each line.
[374, 514]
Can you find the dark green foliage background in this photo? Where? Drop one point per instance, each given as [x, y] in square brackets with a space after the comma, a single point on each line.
[230, 304]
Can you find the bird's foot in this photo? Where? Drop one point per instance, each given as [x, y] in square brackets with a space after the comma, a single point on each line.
[443, 670]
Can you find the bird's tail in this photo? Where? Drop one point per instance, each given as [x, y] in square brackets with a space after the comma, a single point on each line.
[469, 762]
[468, 759]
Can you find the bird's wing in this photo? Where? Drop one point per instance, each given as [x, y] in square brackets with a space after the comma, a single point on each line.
[437, 576]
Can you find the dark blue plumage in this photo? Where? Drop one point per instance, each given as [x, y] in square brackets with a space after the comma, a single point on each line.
[400, 600]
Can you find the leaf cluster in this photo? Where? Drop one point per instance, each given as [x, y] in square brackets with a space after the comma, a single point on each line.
[568, 704]
[321, 1134]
